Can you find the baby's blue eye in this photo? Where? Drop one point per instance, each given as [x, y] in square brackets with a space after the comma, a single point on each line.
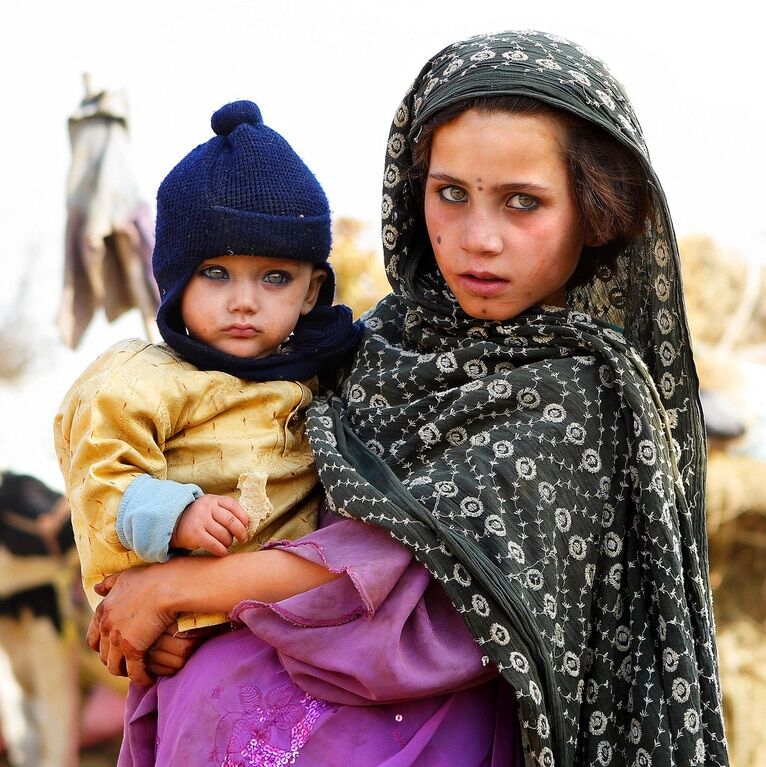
[214, 273]
[523, 202]
[276, 278]
[453, 194]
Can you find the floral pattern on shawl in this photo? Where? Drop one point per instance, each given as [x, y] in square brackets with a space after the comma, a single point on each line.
[548, 470]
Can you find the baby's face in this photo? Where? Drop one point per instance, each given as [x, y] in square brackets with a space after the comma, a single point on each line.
[247, 306]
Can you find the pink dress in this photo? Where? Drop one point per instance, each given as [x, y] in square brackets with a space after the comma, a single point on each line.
[373, 669]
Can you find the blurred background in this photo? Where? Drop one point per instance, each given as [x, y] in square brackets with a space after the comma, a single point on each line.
[101, 99]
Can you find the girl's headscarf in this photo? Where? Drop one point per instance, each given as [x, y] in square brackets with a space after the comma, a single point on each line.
[548, 470]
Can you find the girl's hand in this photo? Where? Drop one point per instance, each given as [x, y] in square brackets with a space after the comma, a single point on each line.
[212, 522]
[169, 653]
[129, 621]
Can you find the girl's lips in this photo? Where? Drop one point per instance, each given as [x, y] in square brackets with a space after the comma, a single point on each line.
[486, 285]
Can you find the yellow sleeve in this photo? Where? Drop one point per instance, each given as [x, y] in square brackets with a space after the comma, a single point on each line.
[110, 428]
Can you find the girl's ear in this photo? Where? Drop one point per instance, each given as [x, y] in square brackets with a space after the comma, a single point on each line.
[318, 276]
[592, 240]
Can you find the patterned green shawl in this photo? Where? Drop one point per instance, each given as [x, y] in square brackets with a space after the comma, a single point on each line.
[548, 470]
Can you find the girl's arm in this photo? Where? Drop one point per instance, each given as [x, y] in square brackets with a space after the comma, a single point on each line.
[141, 603]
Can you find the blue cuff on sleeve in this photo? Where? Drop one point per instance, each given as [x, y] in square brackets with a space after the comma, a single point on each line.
[148, 513]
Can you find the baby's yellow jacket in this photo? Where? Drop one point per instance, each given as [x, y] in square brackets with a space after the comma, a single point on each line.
[140, 409]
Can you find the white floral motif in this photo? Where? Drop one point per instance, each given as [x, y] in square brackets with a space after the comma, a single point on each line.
[446, 362]
[453, 67]
[502, 448]
[591, 461]
[457, 436]
[528, 398]
[494, 524]
[483, 55]
[515, 56]
[642, 758]
[662, 254]
[606, 99]
[598, 722]
[356, 394]
[691, 720]
[667, 385]
[526, 468]
[647, 453]
[461, 575]
[622, 638]
[390, 235]
[634, 736]
[446, 488]
[471, 507]
[554, 413]
[396, 145]
[378, 400]
[670, 659]
[576, 433]
[549, 606]
[577, 547]
[547, 492]
[662, 287]
[665, 322]
[680, 689]
[499, 388]
[571, 663]
[519, 662]
[615, 576]
[549, 64]
[516, 553]
[391, 177]
[667, 353]
[612, 544]
[475, 369]
[480, 605]
[386, 206]
[534, 579]
[563, 519]
[546, 757]
[534, 693]
[543, 726]
[482, 439]
[429, 434]
[604, 753]
[499, 634]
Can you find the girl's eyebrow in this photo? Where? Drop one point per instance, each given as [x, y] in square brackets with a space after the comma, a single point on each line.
[527, 186]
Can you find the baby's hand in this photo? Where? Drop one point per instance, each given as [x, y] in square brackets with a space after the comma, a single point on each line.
[212, 522]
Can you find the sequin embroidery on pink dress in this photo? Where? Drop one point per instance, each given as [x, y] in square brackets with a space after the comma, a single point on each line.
[264, 730]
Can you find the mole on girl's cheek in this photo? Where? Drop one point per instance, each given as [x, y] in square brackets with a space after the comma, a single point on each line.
[439, 239]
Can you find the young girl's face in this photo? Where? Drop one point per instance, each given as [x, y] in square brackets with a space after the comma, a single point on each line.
[501, 213]
[248, 305]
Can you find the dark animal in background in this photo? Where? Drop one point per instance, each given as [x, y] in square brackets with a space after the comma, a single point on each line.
[38, 666]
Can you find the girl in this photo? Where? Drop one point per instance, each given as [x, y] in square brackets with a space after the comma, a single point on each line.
[522, 416]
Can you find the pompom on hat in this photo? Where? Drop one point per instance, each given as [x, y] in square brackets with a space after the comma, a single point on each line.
[244, 192]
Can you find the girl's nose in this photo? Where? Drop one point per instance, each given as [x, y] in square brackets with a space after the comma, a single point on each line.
[482, 234]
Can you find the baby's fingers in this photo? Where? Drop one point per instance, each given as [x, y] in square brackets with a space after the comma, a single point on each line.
[233, 519]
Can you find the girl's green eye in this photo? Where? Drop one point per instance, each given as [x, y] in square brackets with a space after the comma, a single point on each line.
[276, 278]
[214, 273]
[523, 202]
[453, 194]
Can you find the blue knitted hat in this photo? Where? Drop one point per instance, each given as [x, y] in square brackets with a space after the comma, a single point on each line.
[244, 192]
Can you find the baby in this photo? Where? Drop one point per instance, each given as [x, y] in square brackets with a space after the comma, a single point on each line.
[155, 441]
